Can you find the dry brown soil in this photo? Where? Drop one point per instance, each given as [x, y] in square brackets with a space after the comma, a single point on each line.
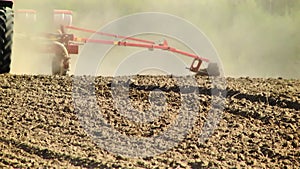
[40, 126]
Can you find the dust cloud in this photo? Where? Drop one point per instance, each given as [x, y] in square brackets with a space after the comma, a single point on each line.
[253, 38]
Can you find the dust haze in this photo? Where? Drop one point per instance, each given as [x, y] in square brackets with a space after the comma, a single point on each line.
[253, 37]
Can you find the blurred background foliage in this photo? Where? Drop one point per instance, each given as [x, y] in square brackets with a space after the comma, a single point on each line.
[257, 38]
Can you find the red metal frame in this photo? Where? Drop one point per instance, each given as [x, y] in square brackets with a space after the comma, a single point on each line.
[163, 46]
[70, 42]
[109, 34]
[145, 44]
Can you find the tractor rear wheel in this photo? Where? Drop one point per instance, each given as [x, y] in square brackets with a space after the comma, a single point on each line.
[6, 38]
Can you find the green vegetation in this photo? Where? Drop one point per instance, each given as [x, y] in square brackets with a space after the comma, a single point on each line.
[253, 37]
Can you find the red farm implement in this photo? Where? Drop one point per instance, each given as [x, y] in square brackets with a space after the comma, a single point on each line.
[63, 43]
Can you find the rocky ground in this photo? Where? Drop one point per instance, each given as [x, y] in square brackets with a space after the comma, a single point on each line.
[52, 121]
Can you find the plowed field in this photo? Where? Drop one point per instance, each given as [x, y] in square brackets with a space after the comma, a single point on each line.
[40, 126]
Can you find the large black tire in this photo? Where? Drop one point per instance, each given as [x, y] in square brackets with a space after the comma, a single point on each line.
[6, 38]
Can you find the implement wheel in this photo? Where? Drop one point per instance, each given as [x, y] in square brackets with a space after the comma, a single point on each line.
[61, 60]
